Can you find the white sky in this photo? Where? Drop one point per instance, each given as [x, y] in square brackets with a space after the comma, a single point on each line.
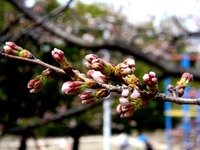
[140, 10]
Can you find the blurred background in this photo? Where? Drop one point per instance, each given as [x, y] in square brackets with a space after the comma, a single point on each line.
[162, 36]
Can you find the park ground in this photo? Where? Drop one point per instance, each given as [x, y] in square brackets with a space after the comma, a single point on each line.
[157, 139]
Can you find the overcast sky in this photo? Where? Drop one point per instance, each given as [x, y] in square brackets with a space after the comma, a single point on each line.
[140, 10]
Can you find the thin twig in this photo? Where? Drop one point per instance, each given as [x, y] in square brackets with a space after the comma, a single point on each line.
[35, 61]
[178, 100]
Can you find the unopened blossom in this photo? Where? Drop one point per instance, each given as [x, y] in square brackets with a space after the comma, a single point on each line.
[125, 111]
[87, 97]
[186, 78]
[130, 62]
[35, 85]
[122, 70]
[123, 100]
[135, 94]
[125, 92]
[98, 76]
[72, 87]
[13, 49]
[59, 56]
[96, 63]
[150, 79]
[151, 82]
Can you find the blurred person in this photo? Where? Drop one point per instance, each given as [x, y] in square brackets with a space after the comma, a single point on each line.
[123, 141]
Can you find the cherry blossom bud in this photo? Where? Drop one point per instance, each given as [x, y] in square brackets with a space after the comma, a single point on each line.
[135, 94]
[13, 49]
[186, 78]
[98, 76]
[70, 87]
[125, 92]
[123, 100]
[122, 70]
[91, 57]
[96, 63]
[86, 95]
[146, 77]
[35, 85]
[130, 62]
[151, 82]
[125, 111]
[59, 56]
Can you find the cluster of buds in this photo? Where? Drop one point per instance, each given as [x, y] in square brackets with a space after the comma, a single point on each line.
[131, 99]
[99, 80]
[35, 85]
[96, 63]
[125, 68]
[151, 82]
[179, 89]
[13, 49]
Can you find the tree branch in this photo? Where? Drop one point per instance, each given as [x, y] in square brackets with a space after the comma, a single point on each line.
[178, 100]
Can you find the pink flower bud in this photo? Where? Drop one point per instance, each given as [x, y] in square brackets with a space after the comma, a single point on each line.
[91, 57]
[152, 74]
[98, 76]
[135, 94]
[123, 100]
[125, 91]
[72, 87]
[187, 76]
[146, 77]
[35, 85]
[86, 95]
[130, 62]
[9, 50]
[58, 55]
[119, 109]
[14, 46]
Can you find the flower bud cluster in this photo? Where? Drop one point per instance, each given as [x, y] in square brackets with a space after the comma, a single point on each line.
[151, 82]
[186, 78]
[96, 63]
[13, 49]
[36, 84]
[125, 68]
[130, 101]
